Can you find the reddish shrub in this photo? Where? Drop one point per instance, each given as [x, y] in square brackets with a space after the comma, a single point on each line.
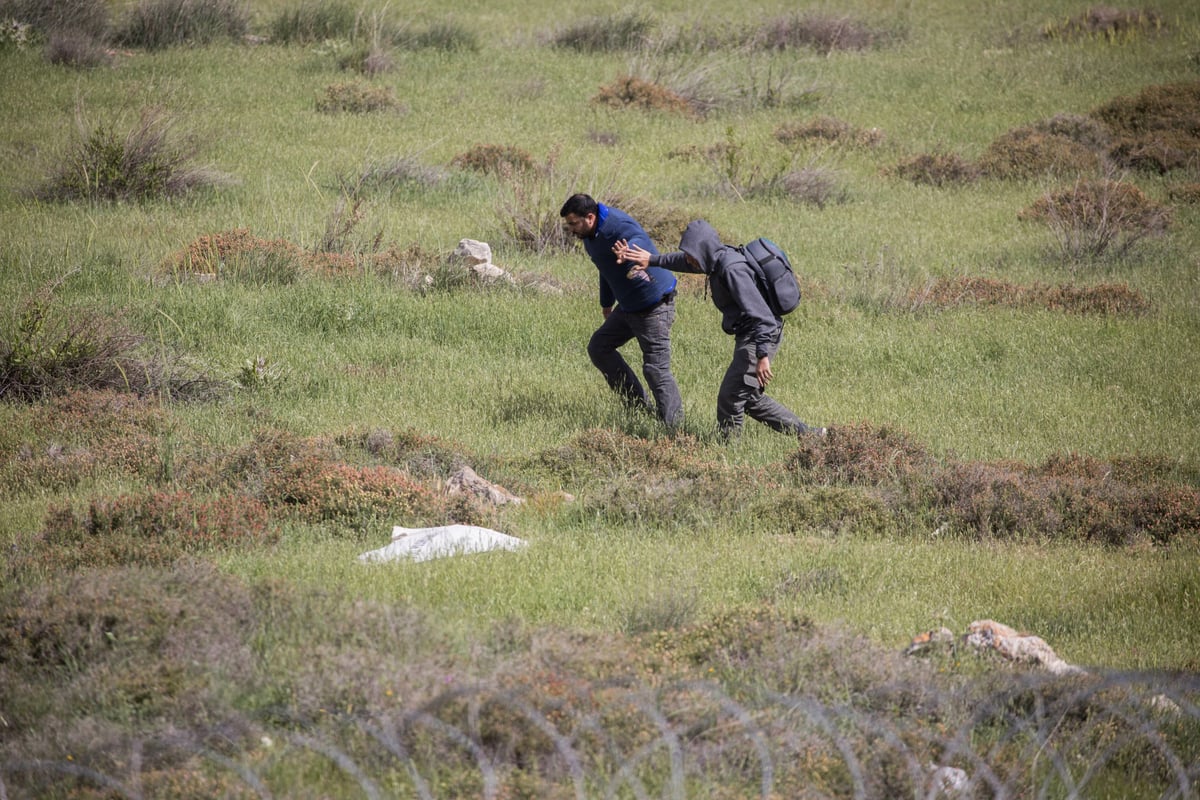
[1158, 129]
[1028, 153]
[83, 435]
[1106, 298]
[321, 490]
[149, 529]
[1093, 217]
[494, 159]
[936, 169]
[827, 130]
[862, 455]
[629, 91]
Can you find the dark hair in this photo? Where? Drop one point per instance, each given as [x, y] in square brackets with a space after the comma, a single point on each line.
[580, 205]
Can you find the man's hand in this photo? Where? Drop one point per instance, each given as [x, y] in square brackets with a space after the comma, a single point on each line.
[631, 254]
[763, 371]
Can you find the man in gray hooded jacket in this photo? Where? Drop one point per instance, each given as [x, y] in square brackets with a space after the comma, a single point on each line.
[745, 315]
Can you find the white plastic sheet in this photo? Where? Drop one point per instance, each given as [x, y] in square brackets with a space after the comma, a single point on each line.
[423, 544]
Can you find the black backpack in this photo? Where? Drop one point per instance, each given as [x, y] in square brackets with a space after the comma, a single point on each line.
[776, 280]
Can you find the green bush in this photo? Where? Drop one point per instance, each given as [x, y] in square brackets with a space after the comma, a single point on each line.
[358, 97]
[146, 162]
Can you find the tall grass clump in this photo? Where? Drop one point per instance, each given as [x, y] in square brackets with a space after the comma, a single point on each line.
[87, 18]
[313, 21]
[1108, 23]
[604, 34]
[72, 48]
[148, 161]
[444, 36]
[158, 24]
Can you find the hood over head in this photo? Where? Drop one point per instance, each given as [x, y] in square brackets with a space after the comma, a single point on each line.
[701, 241]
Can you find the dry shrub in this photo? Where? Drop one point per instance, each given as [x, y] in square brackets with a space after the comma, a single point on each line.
[936, 169]
[1107, 298]
[817, 186]
[1120, 502]
[1084, 130]
[78, 49]
[1160, 152]
[1092, 217]
[494, 159]
[1185, 193]
[860, 455]
[83, 435]
[358, 97]
[154, 646]
[827, 130]
[1158, 129]
[1028, 153]
[410, 450]
[349, 495]
[629, 91]
[239, 256]
[150, 529]
[1111, 24]
[822, 33]
[1001, 500]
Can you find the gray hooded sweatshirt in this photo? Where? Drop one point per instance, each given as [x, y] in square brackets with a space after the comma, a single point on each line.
[732, 281]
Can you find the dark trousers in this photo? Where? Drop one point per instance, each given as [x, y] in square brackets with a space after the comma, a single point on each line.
[652, 329]
[740, 395]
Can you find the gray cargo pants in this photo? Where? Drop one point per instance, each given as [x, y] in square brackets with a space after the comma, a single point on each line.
[740, 393]
[652, 329]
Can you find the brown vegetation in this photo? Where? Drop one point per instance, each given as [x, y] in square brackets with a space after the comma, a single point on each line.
[1157, 130]
[1105, 298]
[936, 169]
[1092, 217]
[632, 92]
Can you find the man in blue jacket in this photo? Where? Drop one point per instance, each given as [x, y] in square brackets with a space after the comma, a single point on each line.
[637, 304]
[745, 315]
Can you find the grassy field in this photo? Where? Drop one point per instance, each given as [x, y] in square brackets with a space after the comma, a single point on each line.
[1015, 425]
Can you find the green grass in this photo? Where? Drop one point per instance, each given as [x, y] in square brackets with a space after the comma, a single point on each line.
[501, 377]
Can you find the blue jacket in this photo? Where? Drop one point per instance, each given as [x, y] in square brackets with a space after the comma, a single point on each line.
[632, 294]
